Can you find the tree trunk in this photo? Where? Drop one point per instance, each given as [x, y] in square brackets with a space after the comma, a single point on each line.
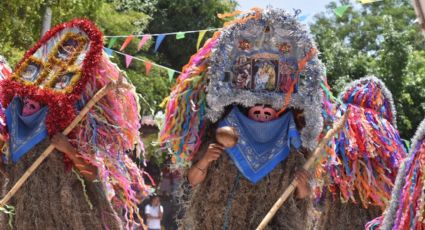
[47, 20]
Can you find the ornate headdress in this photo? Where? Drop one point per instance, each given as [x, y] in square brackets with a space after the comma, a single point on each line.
[265, 57]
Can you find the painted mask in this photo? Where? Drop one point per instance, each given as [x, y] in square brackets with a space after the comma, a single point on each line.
[30, 107]
[262, 113]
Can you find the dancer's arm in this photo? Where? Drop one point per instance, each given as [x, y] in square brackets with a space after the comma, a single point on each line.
[62, 144]
[198, 171]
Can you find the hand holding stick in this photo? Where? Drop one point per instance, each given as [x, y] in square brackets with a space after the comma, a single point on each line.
[316, 154]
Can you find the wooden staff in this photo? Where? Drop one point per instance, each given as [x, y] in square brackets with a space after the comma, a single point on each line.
[102, 92]
[316, 154]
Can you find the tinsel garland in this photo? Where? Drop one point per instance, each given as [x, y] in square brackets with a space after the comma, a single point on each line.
[61, 106]
[5, 72]
[363, 159]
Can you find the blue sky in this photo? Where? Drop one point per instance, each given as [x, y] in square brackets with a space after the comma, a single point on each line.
[308, 7]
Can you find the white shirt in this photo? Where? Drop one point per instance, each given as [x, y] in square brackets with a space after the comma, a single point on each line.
[154, 212]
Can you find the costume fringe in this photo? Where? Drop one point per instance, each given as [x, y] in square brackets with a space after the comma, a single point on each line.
[406, 209]
[363, 159]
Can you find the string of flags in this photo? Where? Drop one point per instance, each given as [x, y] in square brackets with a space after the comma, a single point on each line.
[339, 11]
[144, 38]
[178, 34]
[148, 64]
[159, 38]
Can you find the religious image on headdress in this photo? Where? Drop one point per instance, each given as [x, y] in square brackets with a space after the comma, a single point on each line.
[287, 75]
[31, 70]
[243, 73]
[63, 80]
[69, 47]
[264, 74]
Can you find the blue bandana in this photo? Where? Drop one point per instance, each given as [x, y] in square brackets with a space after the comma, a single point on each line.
[25, 131]
[261, 145]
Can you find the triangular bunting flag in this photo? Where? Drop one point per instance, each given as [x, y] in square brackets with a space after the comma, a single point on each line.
[112, 42]
[108, 51]
[341, 10]
[144, 39]
[201, 35]
[158, 41]
[170, 74]
[128, 59]
[126, 42]
[148, 67]
[180, 35]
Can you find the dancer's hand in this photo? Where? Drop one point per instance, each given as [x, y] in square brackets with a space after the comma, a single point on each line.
[198, 171]
[214, 152]
[303, 187]
[62, 144]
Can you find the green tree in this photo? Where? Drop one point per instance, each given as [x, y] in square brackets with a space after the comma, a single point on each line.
[376, 39]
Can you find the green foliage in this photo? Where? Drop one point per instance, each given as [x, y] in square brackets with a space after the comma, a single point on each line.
[413, 91]
[152, 88]
[153, 152]
[114, 22]
[137, 5]
[22, 20]
[379, 39]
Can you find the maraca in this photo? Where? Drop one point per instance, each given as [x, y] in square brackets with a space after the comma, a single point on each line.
[226, 136]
